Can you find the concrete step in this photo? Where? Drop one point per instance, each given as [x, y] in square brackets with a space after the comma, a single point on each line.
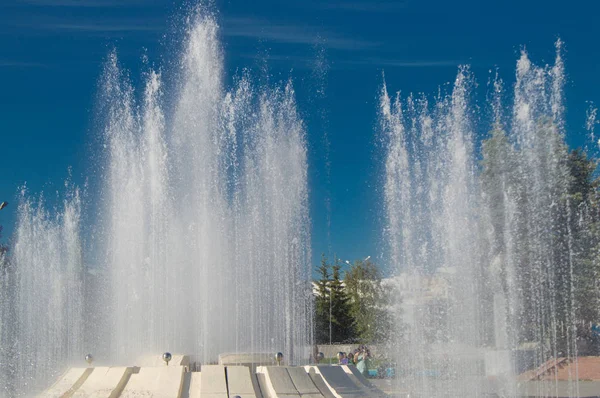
[68, 383]
[104, 382]
[155, 382]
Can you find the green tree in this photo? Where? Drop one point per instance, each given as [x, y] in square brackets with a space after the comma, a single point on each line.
[322, 302]
[369, 302]
[585, 235]
[341, 318]
[552, 220]
[333, 321]
[497, 178]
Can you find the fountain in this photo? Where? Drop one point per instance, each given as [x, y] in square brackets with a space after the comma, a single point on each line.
[432, 203]
[45, 284]
[201, 244]
[487, 250]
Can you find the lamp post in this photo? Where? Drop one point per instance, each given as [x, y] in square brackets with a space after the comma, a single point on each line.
[330, 305]
[350, 264]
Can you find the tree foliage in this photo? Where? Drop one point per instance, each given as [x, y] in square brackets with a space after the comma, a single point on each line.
[369, 302]
[355, 306]
[341, 318]
[322, 302]
[543, 213]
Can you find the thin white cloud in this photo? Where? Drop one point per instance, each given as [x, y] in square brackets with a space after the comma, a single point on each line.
[364, 5]
[295, 61]
[402, 63]
[102, 27]
[84, 3]
[291, 34]
[6, 63]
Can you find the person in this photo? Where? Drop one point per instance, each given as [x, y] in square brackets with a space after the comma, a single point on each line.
[344, 360]
[352, 356]
[361, 359]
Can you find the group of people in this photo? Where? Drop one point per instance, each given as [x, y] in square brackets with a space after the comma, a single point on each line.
[359, 357]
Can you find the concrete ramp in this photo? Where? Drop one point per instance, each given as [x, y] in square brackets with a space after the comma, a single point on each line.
[278, 383]
[362, 381]
[194, 391]
[69, 382]
[213, 383]
[351, 370]
[104, 382]
[338, 382]
[262, 383]
[303, 383]
[157, 382]
[240, 381]
[317, 379]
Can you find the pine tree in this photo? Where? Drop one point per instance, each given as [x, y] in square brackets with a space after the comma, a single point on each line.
[341, 320]
[322, 302]
[584, 228]
[369, 303]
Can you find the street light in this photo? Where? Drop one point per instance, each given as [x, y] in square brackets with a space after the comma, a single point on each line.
[330, 310]
[3, 205]
[349, 263]
[331, 304]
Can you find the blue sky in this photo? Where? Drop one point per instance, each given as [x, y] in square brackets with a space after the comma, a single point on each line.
[51, 53]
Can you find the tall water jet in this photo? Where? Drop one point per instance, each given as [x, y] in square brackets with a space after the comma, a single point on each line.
[431, 200]
[201, 243]
[490, 256]
[206, 232]
[6, 315]
[48, 292]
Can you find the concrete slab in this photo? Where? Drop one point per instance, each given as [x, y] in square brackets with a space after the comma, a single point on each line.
[368, 391]
[68, 383]
[185, 386]
[155, 382]
[351, 370]
[394, 388]
[262, 384]
[157, 361]
[104, 382]
[213, 383]
[338, 381]
[361, 381]
[303, 382]
[246, 358]
[320, 383]
[278, 381]
[241, 382]
[194, 391]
